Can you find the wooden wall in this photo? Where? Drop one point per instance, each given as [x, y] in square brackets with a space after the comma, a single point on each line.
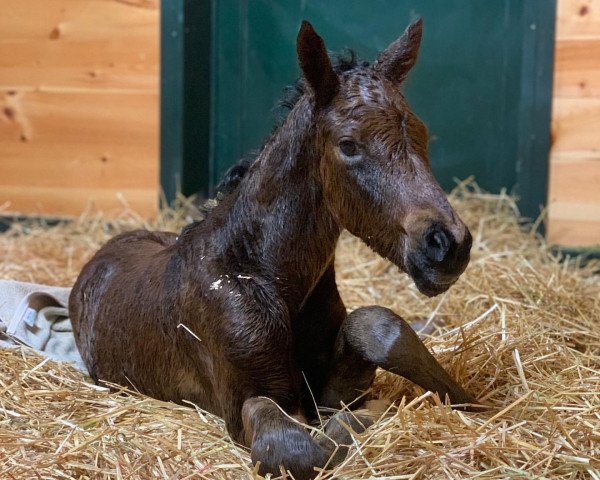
[78, 105]
[574, 193]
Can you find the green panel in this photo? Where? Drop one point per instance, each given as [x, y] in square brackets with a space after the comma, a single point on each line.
[535, 109]
[482, 83]
[185, 97]
[171, 101]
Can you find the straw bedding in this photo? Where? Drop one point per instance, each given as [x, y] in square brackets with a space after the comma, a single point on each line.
[520, 330]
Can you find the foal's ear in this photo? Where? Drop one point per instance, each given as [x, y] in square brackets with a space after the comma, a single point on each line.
[396, 60]
[315, 65]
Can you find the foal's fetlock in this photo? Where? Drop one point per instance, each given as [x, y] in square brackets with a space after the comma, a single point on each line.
[338, 434]
[342, 425]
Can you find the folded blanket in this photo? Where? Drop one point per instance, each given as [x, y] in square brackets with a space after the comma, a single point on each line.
[37, 317]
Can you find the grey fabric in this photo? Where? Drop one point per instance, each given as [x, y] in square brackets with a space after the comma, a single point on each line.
[36, 316]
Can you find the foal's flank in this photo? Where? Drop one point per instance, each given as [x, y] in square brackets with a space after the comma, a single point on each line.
[255, 281]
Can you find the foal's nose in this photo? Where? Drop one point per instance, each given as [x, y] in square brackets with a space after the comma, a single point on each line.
[438, 243]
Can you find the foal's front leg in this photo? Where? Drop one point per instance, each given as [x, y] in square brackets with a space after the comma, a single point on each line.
[276, 440]
[373, 337]
[260, 395]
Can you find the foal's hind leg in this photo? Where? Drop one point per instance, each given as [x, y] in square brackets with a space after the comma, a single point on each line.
[374, 337]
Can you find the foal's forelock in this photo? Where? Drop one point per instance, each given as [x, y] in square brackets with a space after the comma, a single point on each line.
[376, 108]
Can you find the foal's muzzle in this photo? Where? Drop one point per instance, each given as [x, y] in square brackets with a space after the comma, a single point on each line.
[438, 259]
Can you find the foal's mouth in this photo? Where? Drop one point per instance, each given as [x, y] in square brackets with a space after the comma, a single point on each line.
[428, 279]
[431, 289]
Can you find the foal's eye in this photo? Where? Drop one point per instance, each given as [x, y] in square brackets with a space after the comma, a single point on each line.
[348, 148]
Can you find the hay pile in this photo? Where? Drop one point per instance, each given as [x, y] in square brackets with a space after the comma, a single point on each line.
[529, 347]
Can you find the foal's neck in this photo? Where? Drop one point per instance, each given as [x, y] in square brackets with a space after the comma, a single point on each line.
[279, 224]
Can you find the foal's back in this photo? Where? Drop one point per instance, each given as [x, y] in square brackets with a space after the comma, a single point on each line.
[131, 281]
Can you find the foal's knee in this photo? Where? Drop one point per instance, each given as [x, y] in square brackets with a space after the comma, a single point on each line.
[383, 338]
[364, 341]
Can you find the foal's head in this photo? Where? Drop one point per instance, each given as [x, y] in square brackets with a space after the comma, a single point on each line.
[374, 164]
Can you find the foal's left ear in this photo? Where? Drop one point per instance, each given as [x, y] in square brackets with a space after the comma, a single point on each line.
[315, 65]
[396, 60]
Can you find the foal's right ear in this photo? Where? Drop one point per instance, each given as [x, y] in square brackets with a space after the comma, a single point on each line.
[396, 60]
[315, 65]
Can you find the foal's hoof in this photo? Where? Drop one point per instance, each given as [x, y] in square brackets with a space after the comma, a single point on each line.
[290, 448]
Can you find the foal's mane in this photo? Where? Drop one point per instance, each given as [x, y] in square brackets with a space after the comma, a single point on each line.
[342, 63]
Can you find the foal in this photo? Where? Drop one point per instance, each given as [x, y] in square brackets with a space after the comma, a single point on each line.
[240, 314]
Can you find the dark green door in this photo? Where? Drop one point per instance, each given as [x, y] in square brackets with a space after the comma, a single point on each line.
[482, 83]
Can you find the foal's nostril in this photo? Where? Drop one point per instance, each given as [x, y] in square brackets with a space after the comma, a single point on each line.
[437, 244]
[440, 240]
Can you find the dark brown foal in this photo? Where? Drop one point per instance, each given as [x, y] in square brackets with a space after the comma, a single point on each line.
[240, 313]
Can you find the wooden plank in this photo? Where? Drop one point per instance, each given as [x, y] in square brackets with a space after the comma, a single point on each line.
[575, 178]
[588, 212]
[72, 201]
[574, 183]
[575, 124]
[573, 233]
[574, 199]
[577, 18]
[577, 68]
[85, 143]
[98, 44]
